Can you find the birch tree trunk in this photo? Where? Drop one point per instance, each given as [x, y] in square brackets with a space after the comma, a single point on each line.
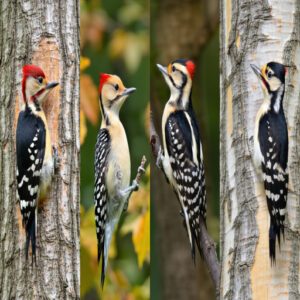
[45, 33]
[256, 32]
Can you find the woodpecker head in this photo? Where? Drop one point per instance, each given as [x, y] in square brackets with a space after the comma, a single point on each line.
[272, 77]
[179, 76]
[112, 93]
[35, 87]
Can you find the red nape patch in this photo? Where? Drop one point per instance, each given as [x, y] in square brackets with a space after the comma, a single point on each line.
[33, 71]
[103, 78]
[191, 68]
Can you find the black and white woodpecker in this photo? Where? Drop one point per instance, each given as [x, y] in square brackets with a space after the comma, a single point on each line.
[112, 165]
[182, 157]
[271, 148]
[36, 158]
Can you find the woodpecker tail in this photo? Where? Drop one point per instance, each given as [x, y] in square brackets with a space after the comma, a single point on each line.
[103, 271]
[103, 268]
[274, 232]
[30, 229]
[109, 229]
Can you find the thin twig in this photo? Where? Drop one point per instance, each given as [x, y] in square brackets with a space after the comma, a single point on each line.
[207, 244]
[141, 170]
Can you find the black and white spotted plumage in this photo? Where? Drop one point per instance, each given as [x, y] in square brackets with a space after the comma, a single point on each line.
[271, 148]
[30, 147]
[100, 194]
[185, 156]
[273, 141]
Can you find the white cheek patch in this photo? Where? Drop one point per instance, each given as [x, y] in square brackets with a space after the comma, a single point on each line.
[108, 93]
[274, 83]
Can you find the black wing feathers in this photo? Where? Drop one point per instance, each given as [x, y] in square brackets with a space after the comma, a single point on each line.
[30, 147]
[188, 175]
[273, 139]
[100, 192]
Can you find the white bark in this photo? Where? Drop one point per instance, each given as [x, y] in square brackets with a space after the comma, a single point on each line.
[45, 33]
[256, 32]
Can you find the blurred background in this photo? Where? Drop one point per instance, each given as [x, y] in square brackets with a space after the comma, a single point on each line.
[114, 39]
[184, 29]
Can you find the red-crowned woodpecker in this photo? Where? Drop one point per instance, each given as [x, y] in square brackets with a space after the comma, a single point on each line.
[35, 155]
[182, 158]
[271, 148]
[112, 165]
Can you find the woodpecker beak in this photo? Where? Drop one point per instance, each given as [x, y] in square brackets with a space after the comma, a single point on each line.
[257, 71]
[128, 91]
[163, 70]
[51, 85]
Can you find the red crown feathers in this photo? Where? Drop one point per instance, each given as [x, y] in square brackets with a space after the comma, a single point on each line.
[103, 78]
[33, 71]
[191, 68]
[30, 71]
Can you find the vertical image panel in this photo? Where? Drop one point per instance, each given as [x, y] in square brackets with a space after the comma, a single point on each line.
[184, 57]
[114, 113]
[259, 169]
[39, 152]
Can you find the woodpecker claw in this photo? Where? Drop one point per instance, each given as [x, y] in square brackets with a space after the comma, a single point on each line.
[159, 159]
[135, 185]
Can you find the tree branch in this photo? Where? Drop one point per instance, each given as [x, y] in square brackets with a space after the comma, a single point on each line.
[207, 244]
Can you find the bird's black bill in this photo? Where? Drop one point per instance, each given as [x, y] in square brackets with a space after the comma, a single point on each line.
[256, 70]
[128, 91]
[162, 69]
[51, 85]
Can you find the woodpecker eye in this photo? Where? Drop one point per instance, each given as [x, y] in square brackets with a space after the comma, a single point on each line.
[173, 69]
[40, 80]
[116, 87]
[269, 74]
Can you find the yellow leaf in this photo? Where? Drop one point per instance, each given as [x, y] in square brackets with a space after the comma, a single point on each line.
[84, 63]
[118, 43]
[83, 129]
[141, 237]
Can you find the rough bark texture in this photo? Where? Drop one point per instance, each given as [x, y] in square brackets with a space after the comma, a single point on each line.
[46, 34]
[181, 29]
[256, 32]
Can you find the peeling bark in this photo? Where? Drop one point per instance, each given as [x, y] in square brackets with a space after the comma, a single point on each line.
[46, 34]
[256, 32]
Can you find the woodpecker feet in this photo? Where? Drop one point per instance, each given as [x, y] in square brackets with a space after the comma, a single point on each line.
[160, 157]
[56, 158]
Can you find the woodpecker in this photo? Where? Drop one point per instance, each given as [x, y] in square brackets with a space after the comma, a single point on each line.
[35, 156]
[271, 148]
[112, 165]
[182, 158]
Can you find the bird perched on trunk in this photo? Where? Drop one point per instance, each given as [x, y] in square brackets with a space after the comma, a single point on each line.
[112, 165]
[182, 157]
[271, 148]
[36, 158]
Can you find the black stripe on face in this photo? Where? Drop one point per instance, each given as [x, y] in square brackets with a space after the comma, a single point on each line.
[103, 112]
[184, 80]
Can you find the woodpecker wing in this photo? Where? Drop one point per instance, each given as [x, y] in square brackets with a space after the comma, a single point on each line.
[273, 140]
[184, 149]
[100, 193]
[30, 147]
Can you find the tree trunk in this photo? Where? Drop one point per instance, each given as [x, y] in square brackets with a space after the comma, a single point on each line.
[181, 30]
[45, 33]
[256, 32]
